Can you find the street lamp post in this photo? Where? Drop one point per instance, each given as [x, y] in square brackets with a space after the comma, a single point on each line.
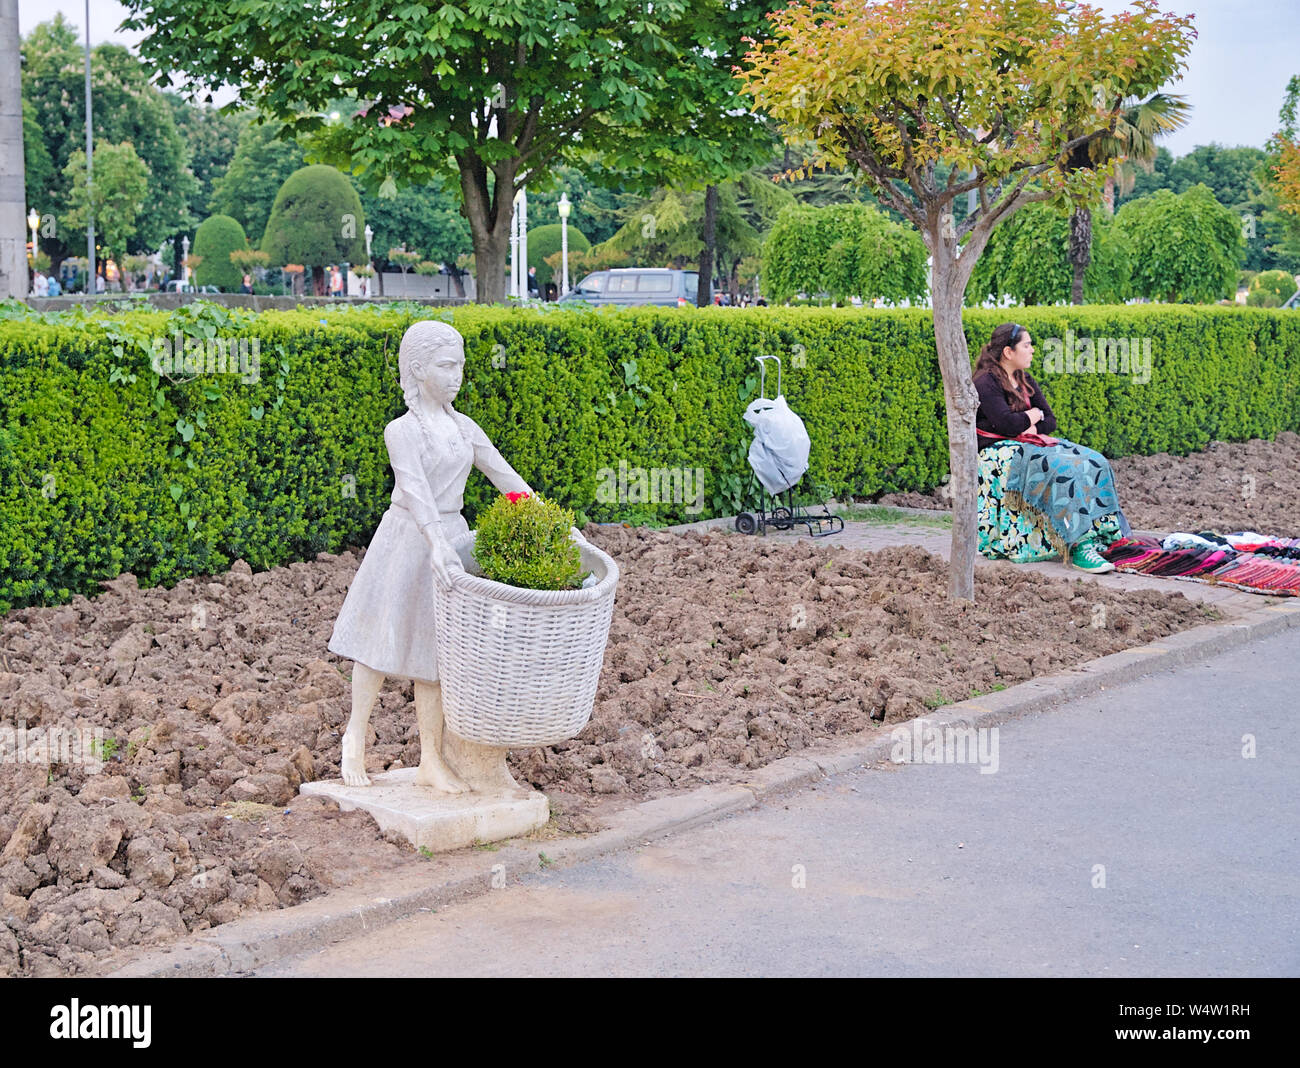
[523, 244]
[565, 206]
[370, 234]
[185, 261]
[90, 167]
[514, 246]
[33, 221]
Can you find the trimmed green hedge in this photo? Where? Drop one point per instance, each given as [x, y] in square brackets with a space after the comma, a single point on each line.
[107, 467]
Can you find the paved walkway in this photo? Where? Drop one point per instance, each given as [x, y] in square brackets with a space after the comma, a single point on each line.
[1148, 831]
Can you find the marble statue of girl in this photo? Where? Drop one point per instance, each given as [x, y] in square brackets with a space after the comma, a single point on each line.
[386, 626]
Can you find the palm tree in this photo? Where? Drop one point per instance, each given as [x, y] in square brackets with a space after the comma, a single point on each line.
[1133, 144]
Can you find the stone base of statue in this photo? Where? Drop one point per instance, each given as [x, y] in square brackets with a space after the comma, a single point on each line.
[433, 820]
[494, 808]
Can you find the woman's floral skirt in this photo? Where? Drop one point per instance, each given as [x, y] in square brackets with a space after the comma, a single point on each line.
[1009, 529]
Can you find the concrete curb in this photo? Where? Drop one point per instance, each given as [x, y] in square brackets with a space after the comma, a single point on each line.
[266, 937]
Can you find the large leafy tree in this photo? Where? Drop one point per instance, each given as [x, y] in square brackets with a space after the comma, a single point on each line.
[1279, 175]
[211, 135]
[116, 196]
[843, 250]
[1028, 260]
[127, 109]
[489, 94]
[1131, 144]
[1003, 91]
[1287, 173]
[700, 132]
[1229, 173]
[1185, 247]
[1239, 178]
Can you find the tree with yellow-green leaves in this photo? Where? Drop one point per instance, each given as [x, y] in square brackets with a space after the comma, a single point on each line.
[1287, 173]
[1002, 92]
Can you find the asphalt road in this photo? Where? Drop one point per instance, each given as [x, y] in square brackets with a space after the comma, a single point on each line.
[1125, 834]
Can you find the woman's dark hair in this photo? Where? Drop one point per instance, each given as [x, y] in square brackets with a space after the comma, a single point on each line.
[1004, 336]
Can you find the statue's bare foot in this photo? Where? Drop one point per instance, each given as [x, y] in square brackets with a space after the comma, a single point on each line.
[433, 772]
[354, 762]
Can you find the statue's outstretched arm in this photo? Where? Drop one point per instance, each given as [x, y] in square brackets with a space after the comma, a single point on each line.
[493, 465]
[488, 460]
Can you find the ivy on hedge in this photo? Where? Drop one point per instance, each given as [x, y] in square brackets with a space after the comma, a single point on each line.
[107, 466]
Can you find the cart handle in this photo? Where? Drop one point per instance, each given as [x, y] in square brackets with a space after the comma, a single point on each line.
[762, 379]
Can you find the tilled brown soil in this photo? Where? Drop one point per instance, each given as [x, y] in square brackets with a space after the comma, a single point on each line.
[1229, 486]
[219, 698]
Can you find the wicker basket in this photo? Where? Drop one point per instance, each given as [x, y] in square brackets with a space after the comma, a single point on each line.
[519, 667]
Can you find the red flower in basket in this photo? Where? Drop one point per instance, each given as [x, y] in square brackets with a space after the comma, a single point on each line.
[515, 498]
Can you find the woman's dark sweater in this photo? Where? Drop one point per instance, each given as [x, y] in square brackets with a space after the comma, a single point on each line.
[997, 416]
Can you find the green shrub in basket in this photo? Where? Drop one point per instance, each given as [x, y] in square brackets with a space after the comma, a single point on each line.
[523, 540]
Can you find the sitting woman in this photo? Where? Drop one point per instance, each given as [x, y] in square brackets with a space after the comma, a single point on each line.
[1040, 497]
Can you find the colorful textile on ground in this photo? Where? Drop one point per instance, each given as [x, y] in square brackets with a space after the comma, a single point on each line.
[1009, 529]
[1243, 561]
[1070, 485]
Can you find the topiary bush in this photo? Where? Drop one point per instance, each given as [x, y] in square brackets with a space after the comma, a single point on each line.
[524, 540]
[545, 241]
[216, 238]
[316, 220]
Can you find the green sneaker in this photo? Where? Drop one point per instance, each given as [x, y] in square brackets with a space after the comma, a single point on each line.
[1085, 557]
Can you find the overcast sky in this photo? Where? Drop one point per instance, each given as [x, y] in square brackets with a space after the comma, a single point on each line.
[1236, 73]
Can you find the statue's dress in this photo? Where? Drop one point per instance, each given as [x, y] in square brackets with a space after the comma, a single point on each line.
[387, 618]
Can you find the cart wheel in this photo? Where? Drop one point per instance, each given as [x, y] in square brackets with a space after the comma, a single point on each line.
[746, 523]
[782, 518]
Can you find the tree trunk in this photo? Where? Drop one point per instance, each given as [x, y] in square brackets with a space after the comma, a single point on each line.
[1080, 250]
[489, 213]
[1109, 195]
[13, 221]
[318, 281]
[702, 295]
[960, 402]
[733, 284]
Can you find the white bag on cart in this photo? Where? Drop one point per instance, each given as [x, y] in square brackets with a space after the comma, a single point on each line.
[779, 453]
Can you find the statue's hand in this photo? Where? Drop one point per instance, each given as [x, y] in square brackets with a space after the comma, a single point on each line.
[444, 560]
